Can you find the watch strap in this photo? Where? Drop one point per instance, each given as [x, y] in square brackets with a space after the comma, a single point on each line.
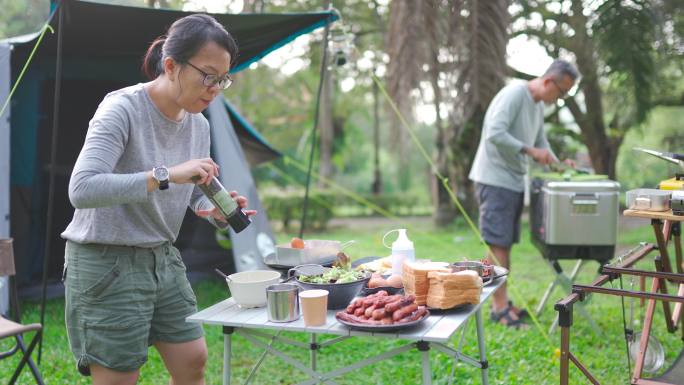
[164, 184]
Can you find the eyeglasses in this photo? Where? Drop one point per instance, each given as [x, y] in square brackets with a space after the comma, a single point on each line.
[560, 89]
[211, 80]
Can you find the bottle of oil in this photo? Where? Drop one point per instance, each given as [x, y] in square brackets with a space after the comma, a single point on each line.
[222, 200]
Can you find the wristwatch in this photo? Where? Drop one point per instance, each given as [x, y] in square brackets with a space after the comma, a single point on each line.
[161, 175]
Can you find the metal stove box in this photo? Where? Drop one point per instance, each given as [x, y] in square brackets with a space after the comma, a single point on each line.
[578, 213]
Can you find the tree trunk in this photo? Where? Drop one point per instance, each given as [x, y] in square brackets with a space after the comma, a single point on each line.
[467, 143]
[327, 135]
[444, 209]
[405, 48]
[603, 149]
[377, 177]
[325, 123]
[481, 77]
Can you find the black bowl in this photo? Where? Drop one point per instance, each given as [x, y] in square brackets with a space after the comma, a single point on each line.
[339, 294]
[389, 289]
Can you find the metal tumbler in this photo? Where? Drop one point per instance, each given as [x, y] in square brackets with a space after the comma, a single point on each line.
[282, 302]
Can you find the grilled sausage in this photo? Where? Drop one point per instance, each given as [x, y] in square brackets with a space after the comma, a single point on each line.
[404, 311]
[415, 316]
[369, 311]
[389, 299]
[379, 314]
[394, 306]
[374, 297]
[354, 319]
[352, 306]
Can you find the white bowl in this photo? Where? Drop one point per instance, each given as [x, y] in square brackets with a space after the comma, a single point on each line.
[248, 288]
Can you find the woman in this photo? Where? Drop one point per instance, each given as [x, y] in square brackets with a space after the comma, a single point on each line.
[126, 286]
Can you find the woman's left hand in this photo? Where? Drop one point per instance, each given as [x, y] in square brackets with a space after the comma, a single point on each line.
[216, 213]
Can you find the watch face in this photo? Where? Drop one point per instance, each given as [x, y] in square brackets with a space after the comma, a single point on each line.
[161, 173]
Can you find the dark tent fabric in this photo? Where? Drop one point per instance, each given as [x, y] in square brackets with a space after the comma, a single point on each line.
[118, 32]
[256, 149]
[103, 46]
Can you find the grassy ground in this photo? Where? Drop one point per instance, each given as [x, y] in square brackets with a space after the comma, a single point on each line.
[515, 357]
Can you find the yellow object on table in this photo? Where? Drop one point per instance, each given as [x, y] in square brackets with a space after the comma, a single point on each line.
[672, 184]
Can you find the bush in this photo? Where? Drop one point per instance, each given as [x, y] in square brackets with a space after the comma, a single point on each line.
[395, 203]
[286, 206]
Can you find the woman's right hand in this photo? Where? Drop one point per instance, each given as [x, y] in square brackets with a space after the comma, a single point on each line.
[182, 173]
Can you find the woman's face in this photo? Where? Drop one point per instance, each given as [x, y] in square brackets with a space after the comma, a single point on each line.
[192, 95]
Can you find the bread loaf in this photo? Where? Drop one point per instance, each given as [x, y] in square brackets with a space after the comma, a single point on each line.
[415, 278]
[447, 289]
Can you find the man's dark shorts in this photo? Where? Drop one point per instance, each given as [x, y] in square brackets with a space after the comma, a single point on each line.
[500, 211]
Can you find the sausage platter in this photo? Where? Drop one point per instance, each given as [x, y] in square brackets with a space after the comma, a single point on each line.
[382, 312]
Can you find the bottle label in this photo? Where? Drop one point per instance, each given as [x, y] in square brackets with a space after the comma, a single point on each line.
[225, 203]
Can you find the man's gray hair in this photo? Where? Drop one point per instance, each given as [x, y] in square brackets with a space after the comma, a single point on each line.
[560, 68]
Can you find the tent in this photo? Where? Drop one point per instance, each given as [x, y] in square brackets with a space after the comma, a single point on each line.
[101, 50]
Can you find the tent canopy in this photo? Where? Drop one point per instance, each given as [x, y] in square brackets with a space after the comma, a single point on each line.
[103, 42]
[95, 30]
[102, 50]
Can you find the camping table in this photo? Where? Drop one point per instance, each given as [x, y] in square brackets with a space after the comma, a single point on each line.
[435, 332]
[666, 227]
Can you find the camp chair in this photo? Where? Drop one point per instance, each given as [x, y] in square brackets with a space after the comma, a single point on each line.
[9, 328]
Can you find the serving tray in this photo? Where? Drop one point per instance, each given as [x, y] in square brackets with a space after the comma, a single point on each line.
[383, 328]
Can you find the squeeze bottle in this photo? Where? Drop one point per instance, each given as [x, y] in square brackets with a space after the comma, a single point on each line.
[402, 250]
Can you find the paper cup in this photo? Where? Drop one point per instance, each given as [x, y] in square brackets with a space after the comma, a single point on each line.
[314, 304]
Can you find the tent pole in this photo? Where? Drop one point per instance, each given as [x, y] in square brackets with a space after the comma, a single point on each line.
[321, 81]
[51, 170]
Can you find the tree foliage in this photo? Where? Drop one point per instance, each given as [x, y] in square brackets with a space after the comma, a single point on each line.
[19, 17]
[626, 34]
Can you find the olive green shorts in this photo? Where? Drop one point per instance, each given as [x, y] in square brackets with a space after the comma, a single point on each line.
[121, 299]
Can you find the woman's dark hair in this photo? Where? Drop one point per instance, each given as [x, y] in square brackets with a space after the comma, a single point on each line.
[182, 41]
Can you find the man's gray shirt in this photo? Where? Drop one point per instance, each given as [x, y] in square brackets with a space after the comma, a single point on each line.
[127, 137]
[513, 120]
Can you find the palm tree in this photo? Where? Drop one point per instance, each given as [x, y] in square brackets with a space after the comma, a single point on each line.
[459, 47]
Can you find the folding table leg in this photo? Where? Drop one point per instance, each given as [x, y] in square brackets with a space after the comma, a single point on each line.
[424, 348]
[663, 289]
[546, 296]
[261, 359]
[566, 282]
[227, 336]
[677, 234]
[562, 279]
[312, 352]
[481, 346]
[585, 314]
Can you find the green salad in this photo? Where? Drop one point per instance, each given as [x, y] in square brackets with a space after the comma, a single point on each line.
[334, 275]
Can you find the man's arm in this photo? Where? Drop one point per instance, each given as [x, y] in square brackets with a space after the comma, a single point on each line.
[501, 113]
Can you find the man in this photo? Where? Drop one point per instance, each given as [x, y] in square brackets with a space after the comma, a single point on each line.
[513, 130]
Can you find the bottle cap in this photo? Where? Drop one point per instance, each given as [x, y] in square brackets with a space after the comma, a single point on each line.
[402, 242]
[239, 220]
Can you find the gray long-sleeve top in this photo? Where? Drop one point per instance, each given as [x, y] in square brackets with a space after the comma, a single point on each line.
[127, 137]
[513, 120]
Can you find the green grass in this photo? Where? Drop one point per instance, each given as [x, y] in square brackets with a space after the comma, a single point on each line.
[515, 357]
